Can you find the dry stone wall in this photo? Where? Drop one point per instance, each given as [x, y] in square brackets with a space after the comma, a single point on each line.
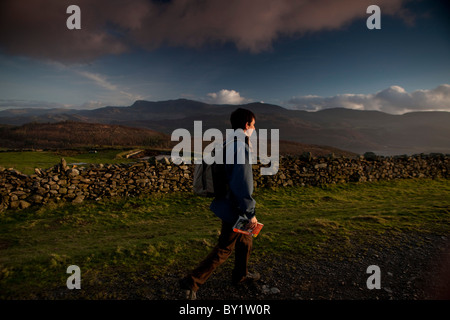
[77, 184]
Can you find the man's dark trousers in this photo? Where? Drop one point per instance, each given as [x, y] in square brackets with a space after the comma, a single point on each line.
[228, 240]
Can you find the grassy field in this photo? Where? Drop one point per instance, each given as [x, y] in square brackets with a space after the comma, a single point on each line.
[136, 239]
[26, 161]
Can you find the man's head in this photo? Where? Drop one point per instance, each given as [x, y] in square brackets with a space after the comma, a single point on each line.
[243, 119]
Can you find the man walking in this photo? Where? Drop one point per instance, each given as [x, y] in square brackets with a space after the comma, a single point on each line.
[237, 202]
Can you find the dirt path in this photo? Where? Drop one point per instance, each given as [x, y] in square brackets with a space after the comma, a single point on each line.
[416, 268]
[412, 267]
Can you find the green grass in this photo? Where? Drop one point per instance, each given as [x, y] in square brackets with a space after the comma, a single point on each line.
[26, 161]
[138, 238]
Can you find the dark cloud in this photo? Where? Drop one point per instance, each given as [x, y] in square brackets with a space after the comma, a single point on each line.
[38, 28]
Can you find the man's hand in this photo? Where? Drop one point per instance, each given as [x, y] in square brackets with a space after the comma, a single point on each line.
[252, 223]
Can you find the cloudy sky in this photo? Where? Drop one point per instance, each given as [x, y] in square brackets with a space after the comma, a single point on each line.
[300, 54]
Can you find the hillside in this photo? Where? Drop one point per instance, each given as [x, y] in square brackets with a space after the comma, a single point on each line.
[345, 129]
[71, 134]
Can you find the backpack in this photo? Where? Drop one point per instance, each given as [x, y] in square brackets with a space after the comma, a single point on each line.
[210, 180]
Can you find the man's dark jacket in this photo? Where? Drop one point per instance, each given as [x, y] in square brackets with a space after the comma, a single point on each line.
[238, 200]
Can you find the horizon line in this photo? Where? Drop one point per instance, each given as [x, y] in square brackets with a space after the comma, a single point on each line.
[77, 108]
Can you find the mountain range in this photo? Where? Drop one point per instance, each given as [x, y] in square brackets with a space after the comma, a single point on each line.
[352, 130]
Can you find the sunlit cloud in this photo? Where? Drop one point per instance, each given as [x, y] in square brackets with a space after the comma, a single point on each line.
[394, 100]
[226, 97]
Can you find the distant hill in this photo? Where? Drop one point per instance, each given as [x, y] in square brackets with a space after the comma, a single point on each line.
[71, 134]
[352, 130]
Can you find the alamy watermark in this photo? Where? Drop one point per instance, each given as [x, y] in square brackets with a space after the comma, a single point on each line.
[374, 21]
[374, 281]
[73, 22]
[74, 281]
[213, 152]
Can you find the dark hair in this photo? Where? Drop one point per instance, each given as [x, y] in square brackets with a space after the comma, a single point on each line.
[240, 117]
